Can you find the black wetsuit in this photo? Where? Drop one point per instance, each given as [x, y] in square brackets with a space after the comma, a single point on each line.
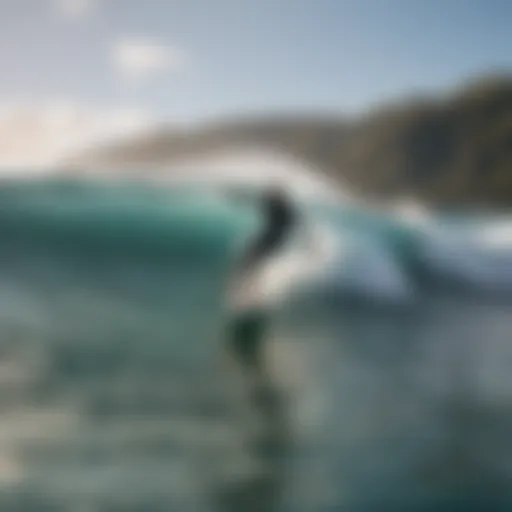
[248, 328]
[280, 218]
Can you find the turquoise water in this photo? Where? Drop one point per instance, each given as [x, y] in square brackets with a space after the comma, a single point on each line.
[114, 395]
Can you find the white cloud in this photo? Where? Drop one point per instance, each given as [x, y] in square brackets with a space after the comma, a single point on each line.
[75, 9]
[138, 59]
[43, 135]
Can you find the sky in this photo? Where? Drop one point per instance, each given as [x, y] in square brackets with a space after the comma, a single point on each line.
[85, 68]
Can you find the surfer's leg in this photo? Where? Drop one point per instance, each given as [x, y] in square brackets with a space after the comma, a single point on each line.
[248, 333]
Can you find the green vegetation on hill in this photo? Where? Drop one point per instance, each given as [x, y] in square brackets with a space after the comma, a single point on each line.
[455, 149]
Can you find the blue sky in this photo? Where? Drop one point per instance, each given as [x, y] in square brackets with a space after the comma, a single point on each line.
[210, 58]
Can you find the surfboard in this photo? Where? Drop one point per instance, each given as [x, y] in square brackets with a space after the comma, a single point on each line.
[275, 278]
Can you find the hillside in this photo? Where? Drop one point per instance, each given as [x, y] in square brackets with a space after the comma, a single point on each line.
[451, 149]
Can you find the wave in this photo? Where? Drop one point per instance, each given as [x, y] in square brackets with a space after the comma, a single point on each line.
[394, 256]
[351, 248]
[469, 255]
[85, 217]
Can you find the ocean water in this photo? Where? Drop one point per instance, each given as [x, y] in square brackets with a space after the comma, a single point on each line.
[393, 359]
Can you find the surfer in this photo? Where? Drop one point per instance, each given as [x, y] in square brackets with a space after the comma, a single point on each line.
[251, 310]
[252, 304]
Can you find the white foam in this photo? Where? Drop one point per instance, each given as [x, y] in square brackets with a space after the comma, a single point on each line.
[254, 168]
[476, 256]
[496, 235]
[412, 212]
